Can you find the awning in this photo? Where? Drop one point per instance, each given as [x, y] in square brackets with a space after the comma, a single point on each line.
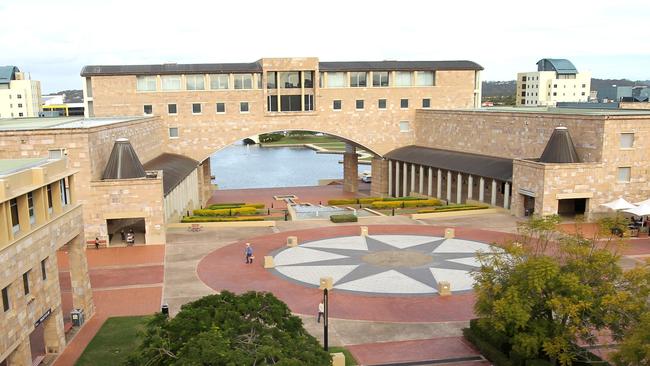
[474, 164]
[619, 204]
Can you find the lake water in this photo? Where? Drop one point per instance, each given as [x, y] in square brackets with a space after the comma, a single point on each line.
[249, 166]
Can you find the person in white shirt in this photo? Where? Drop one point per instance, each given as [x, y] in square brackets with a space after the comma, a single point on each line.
[321, 311]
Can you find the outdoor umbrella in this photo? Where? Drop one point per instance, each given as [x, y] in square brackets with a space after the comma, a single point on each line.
[619, 204]
[642, 210]
[645, 202]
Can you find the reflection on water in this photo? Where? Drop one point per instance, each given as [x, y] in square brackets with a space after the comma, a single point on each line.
[249, 166]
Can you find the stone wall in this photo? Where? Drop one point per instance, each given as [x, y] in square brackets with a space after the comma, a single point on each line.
[185, 197]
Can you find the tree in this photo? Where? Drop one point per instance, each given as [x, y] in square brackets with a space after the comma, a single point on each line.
[549, 291]
[635, 348]
[227, 329]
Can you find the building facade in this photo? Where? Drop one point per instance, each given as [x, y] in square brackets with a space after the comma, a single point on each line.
[19, 95]
[39, 215]
[556, 80]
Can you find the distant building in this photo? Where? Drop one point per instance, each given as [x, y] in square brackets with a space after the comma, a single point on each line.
[615, 93]
[556, 80]
[19, 96]
[58, 105]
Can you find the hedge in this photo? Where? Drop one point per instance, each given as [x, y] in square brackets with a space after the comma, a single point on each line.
[221, 218]
[346, 201]
[383, 204]
[452, 208]
[229, 204]
[219, 206]
[405, 198]
[488, 350]
[344, 218]
[408, 203]
[369, 200]
[226, 211]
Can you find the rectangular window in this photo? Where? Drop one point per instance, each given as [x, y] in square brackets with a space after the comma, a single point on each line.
[380, 78]
[171, 82]
[555, 94]
[359, 104]
[49, 198]
[64, 192]
[15, 223]
[221, 107]
[243, 81]
[19, 96]
[336, 80]
[44, 269]
[404, 126]
[173, 132]
[425, 78]
[243, 107]
[195, 82]
[381, 103]
[219, 81]
[146, 83]
[404, 103]
[172, 109]
[26, 282]
[290, 103]
[309, 102]
[271, 82]
[624, 174]
[20, 114]
[403, 78]
[20, 105]
[196, 108]
[309, 79]
[627, 140]
[272, 105]
[5, 299]
[358, 79]
[55, 153]
[523, 78]
[289, 80]
[30, 208]
[148, 109]
[336, 105]
[426, 103]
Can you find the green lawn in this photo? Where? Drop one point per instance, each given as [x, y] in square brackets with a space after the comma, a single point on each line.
[349, 359]
[302, 140]
[116, 339]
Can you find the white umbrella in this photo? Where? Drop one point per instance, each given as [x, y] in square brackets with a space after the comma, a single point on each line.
[642, 210]
[646, 202]
[619, 204]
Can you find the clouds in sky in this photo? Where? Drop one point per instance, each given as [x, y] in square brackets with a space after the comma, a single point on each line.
[54, 39]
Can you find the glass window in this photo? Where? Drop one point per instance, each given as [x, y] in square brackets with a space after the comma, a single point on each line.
[404, 126]
[624, 174]
[336, 80]
[380, 78]
[320, 79]
[171, 82]
[403, 78]
[381, 104]
[358, 79]
[49, 198]
[309, 79]
[172, 109]
[30, 208]
[146, 83]
[173, 132]
[55, 153]
[271, 82]
[196, 108]
[15, 221]
[290, 103]
[336, 105]
[19, 96]
[219, 81]
[5, 299]
[195, 82]
[309, 102]
[44, 269]
[289, 80]
[425, 78]
[64, 192]
[403, 103]
[243, 81]
[221, 107]
[426, 103]
[243, 107]
[148, 109]
[272, 105]
[627, 140]
[26, 282]
[359, 104]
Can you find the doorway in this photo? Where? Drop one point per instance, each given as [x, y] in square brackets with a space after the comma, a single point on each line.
[119, 229]
[37, 342]
[529, 205]
[572, 207]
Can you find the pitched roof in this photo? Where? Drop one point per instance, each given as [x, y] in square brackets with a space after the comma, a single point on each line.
[175, 169]
[475, 164]
[7, 73]
[560, 148]
[123, 162]
[560, 65]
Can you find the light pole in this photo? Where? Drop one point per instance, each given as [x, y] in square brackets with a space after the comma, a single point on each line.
[325, 285]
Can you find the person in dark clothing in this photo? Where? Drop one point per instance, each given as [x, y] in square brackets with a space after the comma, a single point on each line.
[96, 242]
[122, 235]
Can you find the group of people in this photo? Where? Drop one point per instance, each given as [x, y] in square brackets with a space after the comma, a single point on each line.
[129, 237]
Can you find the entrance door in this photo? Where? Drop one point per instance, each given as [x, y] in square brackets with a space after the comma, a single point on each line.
[529, 205]
[37, 342]
[572, 207]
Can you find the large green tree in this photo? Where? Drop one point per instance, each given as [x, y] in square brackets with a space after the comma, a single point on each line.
[549, 291]
[227, 329]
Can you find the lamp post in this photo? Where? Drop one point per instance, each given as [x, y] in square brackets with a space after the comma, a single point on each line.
[325, 285]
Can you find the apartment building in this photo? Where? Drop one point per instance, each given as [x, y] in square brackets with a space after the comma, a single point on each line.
[556, 80]
[19, 95]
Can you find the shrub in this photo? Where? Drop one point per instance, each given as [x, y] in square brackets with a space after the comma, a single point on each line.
[488, 350]
[271, 137]
[452, 208]
[226, 211]
[220, 218]
[422, 203]
[344, 201]
[384, 204]
[254, 205]
[405, 198]
[369, 200]
[226, 205]
[344, 218]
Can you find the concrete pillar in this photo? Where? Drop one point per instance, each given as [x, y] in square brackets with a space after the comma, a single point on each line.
[481, 189]
[412, 178]
[405, 188]
[421, 190]
[430, 182]
[57, 207]
[439, 184]
[54, 333]
[470, 187]
[390, 178]
[22, 355]
[379, 183]
[506, 196]
[82, 294]
[397, 179]
[459, 189]
[493, 197]
[23, 213]
[350, 171]
[448, 186]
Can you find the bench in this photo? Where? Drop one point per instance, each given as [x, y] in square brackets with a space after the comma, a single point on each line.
[102, 243]
[194, 227]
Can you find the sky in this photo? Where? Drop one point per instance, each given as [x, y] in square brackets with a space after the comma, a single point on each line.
[54, 39]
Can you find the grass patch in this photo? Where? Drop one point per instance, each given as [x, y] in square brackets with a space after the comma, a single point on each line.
[116, 339]
[349, 359]
[301, 140]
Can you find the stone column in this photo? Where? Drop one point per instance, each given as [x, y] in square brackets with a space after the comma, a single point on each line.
[481, 189]
[205, 182]
[350, 170]
[493, 197]
[439, 184]
[470, 187]
[459, 189]
[448, 186]
[82, 294]
[412, 178]
[22, 355]
[405, 188]
[379, 182]
[506, 196]
[54, 333]
[397, 179]
[390, 178]
[421, 190]
[430, 182]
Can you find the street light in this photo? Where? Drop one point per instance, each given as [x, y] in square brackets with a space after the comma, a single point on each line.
[325, 285]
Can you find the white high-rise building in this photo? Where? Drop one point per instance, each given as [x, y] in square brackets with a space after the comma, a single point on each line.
[556, 80]
[19, 96]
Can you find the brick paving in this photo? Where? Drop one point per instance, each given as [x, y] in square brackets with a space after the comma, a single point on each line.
[411, 351]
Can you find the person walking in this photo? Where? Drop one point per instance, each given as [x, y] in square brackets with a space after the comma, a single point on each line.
[249, 254]
[321, 311]
[96, 242]
[122, 235]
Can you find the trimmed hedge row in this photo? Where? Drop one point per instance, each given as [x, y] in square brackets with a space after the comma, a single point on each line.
[219, 206]
[453, 208]
[221, 218]
[343, 201]
[369, 200]
[344, 218]
[408, 203]
[488, 350]
[226, 211]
